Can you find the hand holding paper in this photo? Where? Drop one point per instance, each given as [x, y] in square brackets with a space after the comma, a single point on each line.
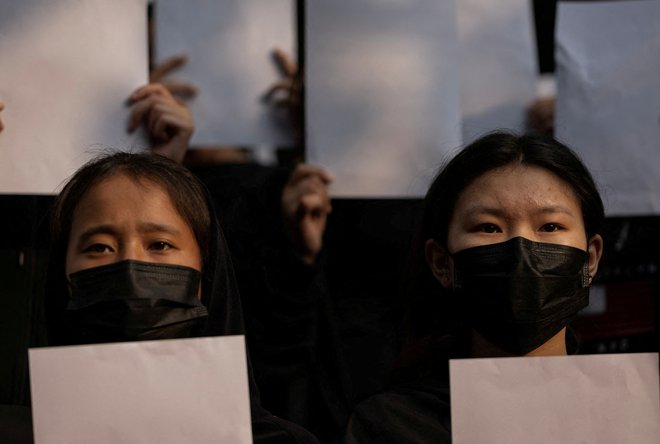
[305, 207]
[168, 121]
[289, 84]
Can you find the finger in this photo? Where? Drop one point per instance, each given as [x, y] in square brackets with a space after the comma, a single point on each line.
[311, 210]
[312, 191]
[159, 108]
[284, 63]
[281, 85]
[148, 90]
[316, 205]
[167, 66]
[304, 170]
[169, 125]
[139, 113]
[162, 110]
[283, 103]
[2, 106]
[161, 129]
[182, 89]
[152, 119]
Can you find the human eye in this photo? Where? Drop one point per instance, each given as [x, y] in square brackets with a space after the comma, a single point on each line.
[487, 228]
[97, 248]
[161, 246]
[551, 227]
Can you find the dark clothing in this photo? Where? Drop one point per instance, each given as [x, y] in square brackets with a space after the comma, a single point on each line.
[416, 408]
[16, 424]
[413, 413]
[289, 315]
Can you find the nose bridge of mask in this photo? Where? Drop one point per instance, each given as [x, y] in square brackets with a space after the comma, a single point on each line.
[134, 280]
[520, 258]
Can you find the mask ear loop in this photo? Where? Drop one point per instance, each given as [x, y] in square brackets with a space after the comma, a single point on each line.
[457, 281]
[586, 277]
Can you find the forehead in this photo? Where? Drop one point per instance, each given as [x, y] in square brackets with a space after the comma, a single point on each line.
[121, 195]
[518, 188]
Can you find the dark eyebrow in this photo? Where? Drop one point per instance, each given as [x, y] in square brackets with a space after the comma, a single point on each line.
[147, 227]
[556, 209]
[99, 229]
[480, 209]
[152, 227]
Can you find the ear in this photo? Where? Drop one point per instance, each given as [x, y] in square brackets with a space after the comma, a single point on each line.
[595, 250]
[439, 262]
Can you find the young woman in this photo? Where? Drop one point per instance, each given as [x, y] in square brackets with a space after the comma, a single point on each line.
[507, 248]
[138, 254]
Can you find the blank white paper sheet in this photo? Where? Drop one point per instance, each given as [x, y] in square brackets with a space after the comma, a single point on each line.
[68, 67]
[382, 93]
[168, 391]
[608, 97]
[591, 399]
[499, 69]
[229, 45]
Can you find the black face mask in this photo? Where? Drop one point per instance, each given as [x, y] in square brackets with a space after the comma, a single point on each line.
[132, 300]
[519, 293]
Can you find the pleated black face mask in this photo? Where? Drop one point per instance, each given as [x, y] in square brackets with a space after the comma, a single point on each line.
[133, 300]
[519, 293]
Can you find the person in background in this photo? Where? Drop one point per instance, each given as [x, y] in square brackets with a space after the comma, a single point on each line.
[506, 249]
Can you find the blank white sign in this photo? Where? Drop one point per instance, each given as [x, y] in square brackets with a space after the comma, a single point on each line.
[499, 68]
[597, 399]
[167, 391]
[68, 67]
[608, 97]
[229, 45]
[382, 93]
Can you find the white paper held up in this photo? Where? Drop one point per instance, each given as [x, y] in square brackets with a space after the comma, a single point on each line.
[499, 68]
[381, 91]
[591, 399]
[167, 391]
[229, 45]
[608, 97]
[67, 68]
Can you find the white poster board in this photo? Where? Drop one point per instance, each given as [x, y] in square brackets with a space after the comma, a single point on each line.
[598, 399]
[68, 67]
[608, 97]
[229, 45]
[382, 93]
[499, 68]
[168, 391]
